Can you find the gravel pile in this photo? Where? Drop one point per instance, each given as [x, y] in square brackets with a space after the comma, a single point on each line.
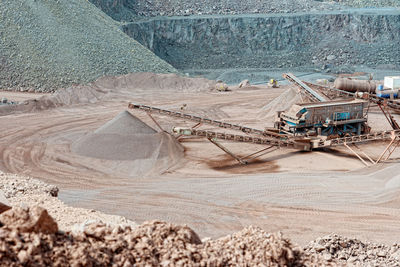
[46, 45]
[22, 191]
[12, 185]
[370, 3]
[354, 252]
[132, 145]
[125, 10]
[29, 236]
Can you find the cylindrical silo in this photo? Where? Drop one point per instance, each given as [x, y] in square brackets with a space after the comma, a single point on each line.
[355, 85]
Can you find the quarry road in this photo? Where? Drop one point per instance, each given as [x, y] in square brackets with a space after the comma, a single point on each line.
[303, 194]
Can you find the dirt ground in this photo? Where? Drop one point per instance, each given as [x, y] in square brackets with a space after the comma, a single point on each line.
[303, 194]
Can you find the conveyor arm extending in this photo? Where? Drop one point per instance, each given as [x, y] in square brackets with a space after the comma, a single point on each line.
[201, 120]
[233, 137]
[394, 104]
[303, 87]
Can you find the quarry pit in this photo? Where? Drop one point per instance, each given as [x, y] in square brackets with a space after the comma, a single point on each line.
[70, 77]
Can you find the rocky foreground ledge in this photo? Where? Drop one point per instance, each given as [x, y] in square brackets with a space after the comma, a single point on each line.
[30, 236]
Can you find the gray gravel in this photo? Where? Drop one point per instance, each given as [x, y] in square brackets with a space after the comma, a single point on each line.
[128, 10]
[46, 45]
[125, 10]
[13, 185]
[354, 252]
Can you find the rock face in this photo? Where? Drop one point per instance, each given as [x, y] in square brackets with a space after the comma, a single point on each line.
[27, 220]
[121, 10]
[265, 41]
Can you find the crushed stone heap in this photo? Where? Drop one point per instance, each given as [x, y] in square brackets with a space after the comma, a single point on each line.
[47, 45]
[127, 138]
[281, 103]
[350, 251]
[29, 236]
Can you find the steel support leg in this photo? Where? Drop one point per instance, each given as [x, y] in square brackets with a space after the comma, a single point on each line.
[358, 156]
[362, 152]
[212, 140]
[158, 125]
[394, 137]
[257, 154]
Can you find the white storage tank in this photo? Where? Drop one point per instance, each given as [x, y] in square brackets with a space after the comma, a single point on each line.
[392, 82]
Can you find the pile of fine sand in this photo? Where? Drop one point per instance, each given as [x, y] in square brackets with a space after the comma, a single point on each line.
[104, 87]
[147, 80]
[137, 147]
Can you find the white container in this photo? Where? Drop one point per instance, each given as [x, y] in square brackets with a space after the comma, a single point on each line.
[392, 82]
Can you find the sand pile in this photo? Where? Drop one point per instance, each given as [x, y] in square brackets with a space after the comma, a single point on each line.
[106, 86]
[79, 94]
[126, 138]
[164, 82]
[151, 244]
[281, 103]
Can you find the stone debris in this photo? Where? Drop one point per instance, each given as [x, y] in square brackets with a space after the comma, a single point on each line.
[28, 235]
[27, 220]
[4, 204]
[13, 185]
[153, 243]
[352, 251]
[26, 191]
[125, 11]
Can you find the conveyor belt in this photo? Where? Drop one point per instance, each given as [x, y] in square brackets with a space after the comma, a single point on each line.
[279, 140]
[198, 119]
[234, 137]
[394, 104]
[314, 96]
[364, 138]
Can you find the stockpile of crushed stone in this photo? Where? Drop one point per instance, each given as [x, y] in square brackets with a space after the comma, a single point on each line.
[350, 251]
[22, 191]
[46, 45]
[127, 138]
[30, 236]
[281, 103]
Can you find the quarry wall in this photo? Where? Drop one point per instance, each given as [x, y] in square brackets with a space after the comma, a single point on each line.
[210, 42]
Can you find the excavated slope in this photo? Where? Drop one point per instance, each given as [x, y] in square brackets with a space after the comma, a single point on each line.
[46, 45]
[323, 39]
